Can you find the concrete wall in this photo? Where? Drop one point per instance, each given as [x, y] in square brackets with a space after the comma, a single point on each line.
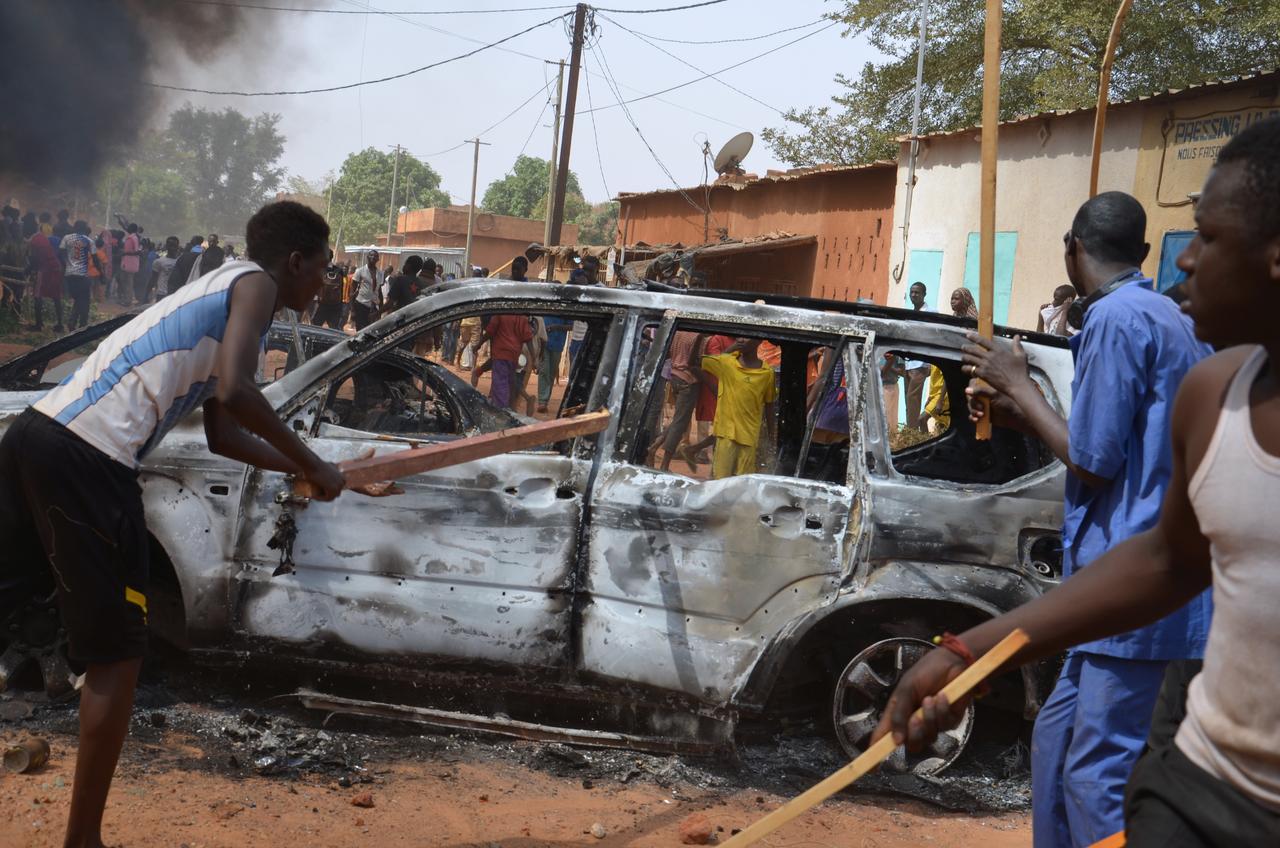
[1043, 177]
[848, 210]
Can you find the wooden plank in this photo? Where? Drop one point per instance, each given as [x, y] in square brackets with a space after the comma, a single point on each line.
[1104, 92]
[397, 464]
[987, 220]
[957, 689]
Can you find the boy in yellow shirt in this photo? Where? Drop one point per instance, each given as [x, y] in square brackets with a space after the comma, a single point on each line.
[746, 393]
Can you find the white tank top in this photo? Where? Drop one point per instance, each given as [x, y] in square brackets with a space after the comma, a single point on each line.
[1232, 728]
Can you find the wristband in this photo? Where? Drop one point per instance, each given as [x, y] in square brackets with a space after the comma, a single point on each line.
[953, 644]
[949, 641]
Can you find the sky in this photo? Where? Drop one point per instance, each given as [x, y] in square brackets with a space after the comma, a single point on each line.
[433, 112]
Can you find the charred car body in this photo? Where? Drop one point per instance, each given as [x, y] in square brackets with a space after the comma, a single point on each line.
[577, 592]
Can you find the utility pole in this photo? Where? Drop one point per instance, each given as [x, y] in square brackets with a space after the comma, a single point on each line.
[566, 142]
[551, 174]
[391, 213]
[471, 210]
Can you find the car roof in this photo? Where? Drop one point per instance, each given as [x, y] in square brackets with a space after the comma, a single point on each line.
[807, 312]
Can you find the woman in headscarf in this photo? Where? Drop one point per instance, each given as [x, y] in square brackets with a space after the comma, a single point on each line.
[963, 305]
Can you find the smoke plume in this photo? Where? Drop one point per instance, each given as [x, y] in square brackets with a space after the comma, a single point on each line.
[73, 89]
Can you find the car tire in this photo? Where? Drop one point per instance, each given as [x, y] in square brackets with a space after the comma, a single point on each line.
[860, 693]
[33, 645]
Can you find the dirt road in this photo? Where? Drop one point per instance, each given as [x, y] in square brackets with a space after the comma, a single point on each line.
[443, 800]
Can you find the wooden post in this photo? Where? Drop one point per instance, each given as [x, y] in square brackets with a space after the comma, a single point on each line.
[1104, 93]
[403, 463]
[987, 221]
[956, 690]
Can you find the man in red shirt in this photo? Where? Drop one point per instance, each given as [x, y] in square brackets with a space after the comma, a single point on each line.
[508, 334]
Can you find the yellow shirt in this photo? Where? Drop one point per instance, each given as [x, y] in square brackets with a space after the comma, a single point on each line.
[939, 403]
[741, 397]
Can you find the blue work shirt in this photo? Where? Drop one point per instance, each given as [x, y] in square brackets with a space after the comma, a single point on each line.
[1131, 356]
[555, 337]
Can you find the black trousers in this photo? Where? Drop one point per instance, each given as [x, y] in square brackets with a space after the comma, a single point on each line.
[361, 315]
[328, 314]
[1170, 802]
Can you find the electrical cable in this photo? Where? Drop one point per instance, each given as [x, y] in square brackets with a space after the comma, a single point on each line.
[596, 135]
[722, 70]
[401, 75]
[603, 62]
[262, 7]
[668, 9]
[515, 52]
[732, 40]
[662, 49]
[533, 129]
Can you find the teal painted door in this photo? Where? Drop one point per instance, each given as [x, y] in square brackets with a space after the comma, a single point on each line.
[1006, 246]
[925, 267]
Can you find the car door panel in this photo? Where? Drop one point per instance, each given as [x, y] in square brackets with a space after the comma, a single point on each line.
[688, 580]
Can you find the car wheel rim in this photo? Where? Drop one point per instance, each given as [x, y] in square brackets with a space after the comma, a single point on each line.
[861, 693]
[36, 643]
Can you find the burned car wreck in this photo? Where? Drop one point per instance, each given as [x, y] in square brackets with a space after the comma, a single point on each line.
[579, 591]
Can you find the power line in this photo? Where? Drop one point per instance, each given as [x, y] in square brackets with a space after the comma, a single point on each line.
[401, 75]
[655, 11]
[535, 126]
[510, 114]
[514, 52]
[730, 40]
[721, 71]
[262, 7]
[595, 135]
[612, 81]
[691, 65]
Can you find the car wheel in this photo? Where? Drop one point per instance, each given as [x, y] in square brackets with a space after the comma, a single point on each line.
[36, 645]
[861, 693]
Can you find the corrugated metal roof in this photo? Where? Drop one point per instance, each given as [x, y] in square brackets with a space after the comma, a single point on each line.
[771, 176]
[1168, 93]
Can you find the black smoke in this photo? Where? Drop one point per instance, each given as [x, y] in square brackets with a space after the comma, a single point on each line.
[74, 76]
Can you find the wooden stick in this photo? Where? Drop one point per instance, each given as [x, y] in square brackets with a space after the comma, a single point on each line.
[392, 466]
[1104, 92]
[987, 219]
[957, 689]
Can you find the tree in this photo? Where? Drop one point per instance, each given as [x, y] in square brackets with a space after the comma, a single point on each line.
[362, 193]
[1052, 53]
[599, 225]
[522, 193]
[230, 161]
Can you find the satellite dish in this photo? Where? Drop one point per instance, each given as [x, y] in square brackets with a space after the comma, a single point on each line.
[734, 151]
[404, 209]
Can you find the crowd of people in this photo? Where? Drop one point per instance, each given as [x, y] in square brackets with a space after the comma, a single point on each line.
[51, 258]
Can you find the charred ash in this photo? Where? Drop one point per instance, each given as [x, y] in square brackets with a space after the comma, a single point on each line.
[232, 727]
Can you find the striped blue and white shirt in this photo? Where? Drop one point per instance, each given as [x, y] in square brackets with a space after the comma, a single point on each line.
[151, 372]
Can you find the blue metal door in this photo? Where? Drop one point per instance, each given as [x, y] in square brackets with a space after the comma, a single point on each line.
[1171, 245]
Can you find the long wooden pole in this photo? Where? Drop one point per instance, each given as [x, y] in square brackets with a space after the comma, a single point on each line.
[987, 221]
[956, 690]
[403, 463]
[1104, 93]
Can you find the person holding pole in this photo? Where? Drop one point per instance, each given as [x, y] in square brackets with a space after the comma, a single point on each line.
[1219, 783]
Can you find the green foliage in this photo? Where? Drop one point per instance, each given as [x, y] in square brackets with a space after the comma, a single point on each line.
[599, 225]
[522, 193]
[362, 193]
[207, 171]
[1052, 53]
[230, 163]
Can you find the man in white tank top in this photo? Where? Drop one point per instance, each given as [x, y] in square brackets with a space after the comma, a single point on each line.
[71, 515]
[1219, 784]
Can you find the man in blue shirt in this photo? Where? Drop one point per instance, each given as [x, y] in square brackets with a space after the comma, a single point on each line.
[1132, 352]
